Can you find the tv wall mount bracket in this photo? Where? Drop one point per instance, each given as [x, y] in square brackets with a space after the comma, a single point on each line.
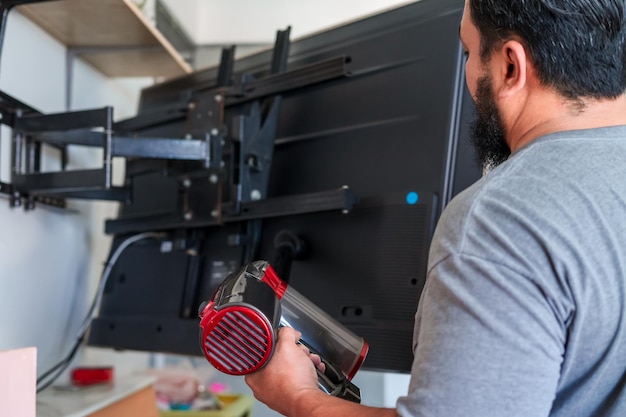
[236, 158]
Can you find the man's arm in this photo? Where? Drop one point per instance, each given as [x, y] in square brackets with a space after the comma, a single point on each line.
[288, 385]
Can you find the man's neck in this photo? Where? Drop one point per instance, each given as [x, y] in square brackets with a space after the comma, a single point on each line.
[551, 113]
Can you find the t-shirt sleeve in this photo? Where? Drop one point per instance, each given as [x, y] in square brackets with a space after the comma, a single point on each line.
[488, 343]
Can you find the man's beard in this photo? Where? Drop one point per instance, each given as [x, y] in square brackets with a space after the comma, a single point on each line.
[487, 131]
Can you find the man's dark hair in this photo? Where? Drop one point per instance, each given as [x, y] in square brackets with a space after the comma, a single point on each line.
[576, 46]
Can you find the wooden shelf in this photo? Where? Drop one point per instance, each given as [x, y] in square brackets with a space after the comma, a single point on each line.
[112, 35]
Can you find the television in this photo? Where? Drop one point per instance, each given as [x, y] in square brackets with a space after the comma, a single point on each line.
[365, 155]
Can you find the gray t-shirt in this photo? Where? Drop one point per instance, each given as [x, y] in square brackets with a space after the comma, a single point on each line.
[524, 309]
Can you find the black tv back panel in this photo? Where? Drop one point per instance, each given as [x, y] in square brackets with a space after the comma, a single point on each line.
[369, 145]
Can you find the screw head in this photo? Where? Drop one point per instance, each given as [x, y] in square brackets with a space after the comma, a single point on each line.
[255, 195]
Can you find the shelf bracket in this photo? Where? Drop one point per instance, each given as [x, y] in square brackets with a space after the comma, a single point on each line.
[5, 8]
[74, 52]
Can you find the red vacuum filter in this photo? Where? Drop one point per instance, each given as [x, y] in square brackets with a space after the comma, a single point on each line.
[239, 324]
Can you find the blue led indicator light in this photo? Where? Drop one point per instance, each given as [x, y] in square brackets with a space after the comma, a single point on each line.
[412, 198]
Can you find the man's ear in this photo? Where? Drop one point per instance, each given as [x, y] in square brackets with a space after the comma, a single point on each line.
[512, 68]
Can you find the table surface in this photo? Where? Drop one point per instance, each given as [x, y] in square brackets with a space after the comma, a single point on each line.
[79, 402]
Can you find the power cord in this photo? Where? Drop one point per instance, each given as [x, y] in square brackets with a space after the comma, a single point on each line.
[48, 377]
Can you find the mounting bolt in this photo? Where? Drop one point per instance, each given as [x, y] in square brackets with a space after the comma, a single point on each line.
[16, 201]
[167, 246]
[214, 132]
[188, 215]
[255, 195]
[213, 178]
[252, 161]
[186, 183]
[218, 98]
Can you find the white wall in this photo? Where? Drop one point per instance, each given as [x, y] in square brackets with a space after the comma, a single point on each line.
[211, 22]
[50, 259]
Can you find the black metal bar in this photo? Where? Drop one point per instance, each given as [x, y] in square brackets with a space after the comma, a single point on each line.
[342, 199]
[225, 70]
[328, 70]
[48, 201]
[64, 158]
[82, 137]
[160, 148]
[9, 105]
[121, 194]
[256, 136]
[16, 152]
[6, 188]
[276, 84]
[189, 303]
[280, 52]
[63, 121]
[59, 182]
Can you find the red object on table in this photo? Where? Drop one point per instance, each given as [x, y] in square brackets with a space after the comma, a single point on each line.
[92, 375]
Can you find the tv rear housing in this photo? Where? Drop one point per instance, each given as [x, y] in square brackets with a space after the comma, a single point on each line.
[332, 156]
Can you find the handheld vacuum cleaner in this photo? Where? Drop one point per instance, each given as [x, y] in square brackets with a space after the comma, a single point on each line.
[239, 325]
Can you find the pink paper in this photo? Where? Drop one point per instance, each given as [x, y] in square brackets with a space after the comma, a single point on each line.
[18, 382]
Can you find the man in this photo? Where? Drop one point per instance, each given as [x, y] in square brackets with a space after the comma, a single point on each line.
[524, 309]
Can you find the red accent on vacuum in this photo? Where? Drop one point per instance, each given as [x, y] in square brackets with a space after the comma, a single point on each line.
[236, 340]
[272, 279]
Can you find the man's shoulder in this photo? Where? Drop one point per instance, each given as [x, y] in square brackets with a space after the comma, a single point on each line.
[506, 202]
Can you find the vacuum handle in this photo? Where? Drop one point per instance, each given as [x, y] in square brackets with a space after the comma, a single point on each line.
[341, 388]
[332, 381]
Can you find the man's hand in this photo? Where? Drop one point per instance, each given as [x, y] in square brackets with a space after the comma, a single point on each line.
[289, 374]
[288, 384]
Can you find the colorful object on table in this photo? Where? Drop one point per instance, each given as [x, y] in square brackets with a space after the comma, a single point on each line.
[85, 376]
